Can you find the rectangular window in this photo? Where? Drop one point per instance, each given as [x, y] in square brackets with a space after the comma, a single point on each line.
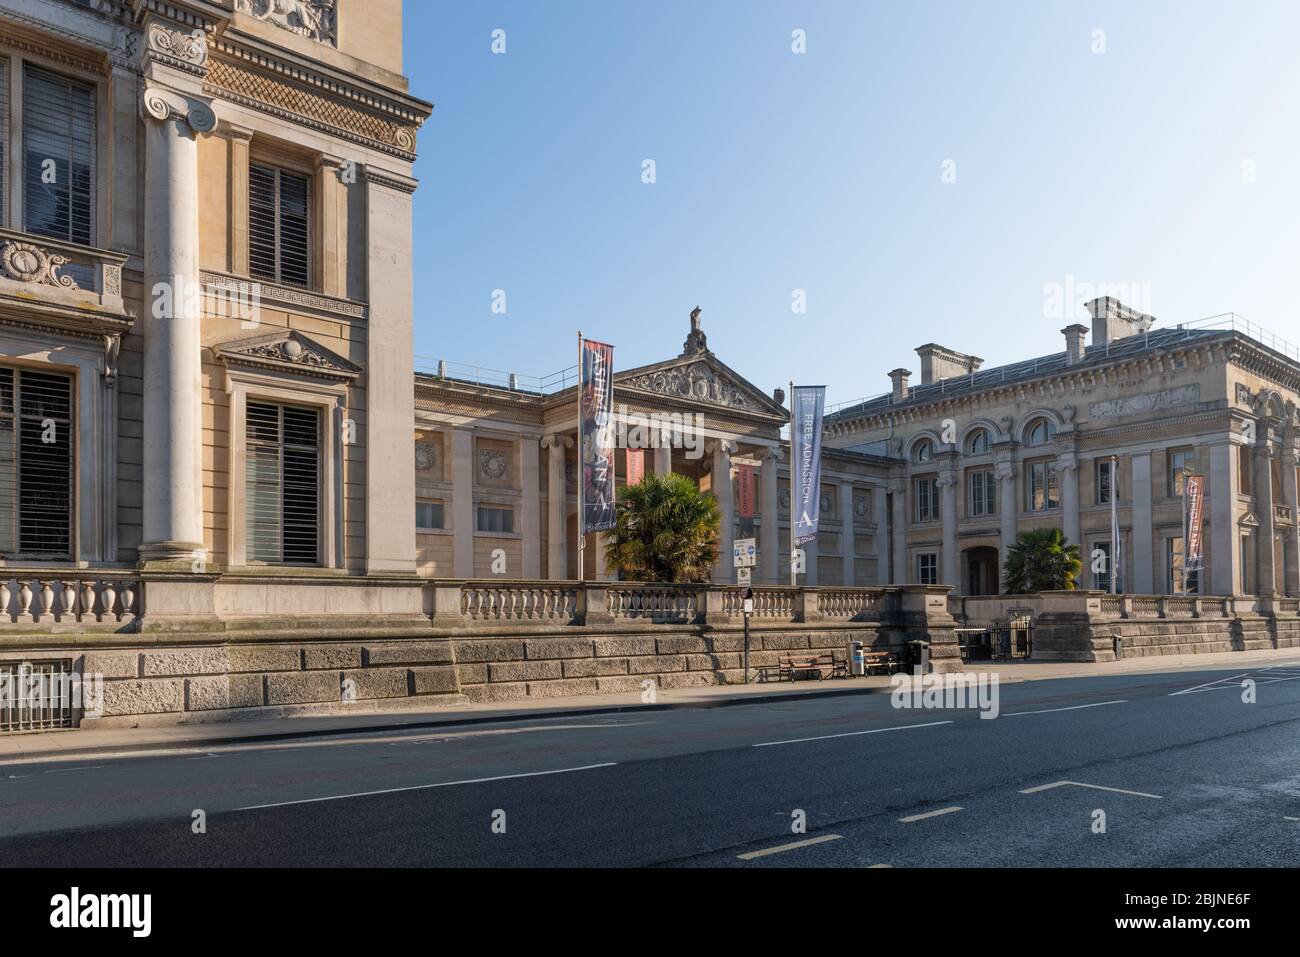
[496, 519]
[279, 235]
[1106, 483]
[927, 568]
[1043, 485]
[1180, 462]
[428, 515]
[982, 494]
[1247, 565]
[59, 158]
[1244, 485]
[36, 464]
[282, 491]
[1100, 561]
[926, 494]
[1174, 563]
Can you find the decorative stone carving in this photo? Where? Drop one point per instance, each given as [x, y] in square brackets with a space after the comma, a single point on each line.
[112, 347]
[185, 51]
[27, 263]
[784, 496]
[861, 505]
[287, 351]
[1243, 394]
[1146, 403]
[426, 456]
[696, 381]
[492, 464]
[697, 341]
[314, 19]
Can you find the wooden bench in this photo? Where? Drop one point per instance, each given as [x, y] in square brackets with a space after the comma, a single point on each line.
[824, 666]
[882, 661]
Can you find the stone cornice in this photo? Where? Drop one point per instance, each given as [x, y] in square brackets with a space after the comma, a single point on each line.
[48, 42]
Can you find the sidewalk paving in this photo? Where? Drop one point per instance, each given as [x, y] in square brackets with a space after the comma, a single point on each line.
[62, 745]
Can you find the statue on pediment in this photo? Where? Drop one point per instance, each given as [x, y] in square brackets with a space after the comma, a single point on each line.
[697, 341]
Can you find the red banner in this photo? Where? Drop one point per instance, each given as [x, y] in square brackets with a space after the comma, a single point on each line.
[745, 481]
[635, 466]
[1194, 497]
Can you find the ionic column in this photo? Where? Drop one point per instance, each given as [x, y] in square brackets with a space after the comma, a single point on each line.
[1291, 575]
[722, 449]
[1266, 576]
[174, 117]
[462, 503]
[898, 495]
[1067, 466]
[530, 507]
[663, 458]
[846, 533]
[1225, 553]
[880, 507]
[557, 502]
[769, 529]
[948, 482]
[1006, 473]
[1143, 573]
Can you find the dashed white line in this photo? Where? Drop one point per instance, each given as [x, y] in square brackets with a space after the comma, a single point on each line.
[921, 817]
[1095, 787]
[1077, 707]
[851, 734]
[795, 845]
[425, 787]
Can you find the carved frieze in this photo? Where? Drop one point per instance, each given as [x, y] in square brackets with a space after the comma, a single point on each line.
[493, 464]
[314, 19]
[28, 263]
[426, 456]
[696, 381]
[1146, 403]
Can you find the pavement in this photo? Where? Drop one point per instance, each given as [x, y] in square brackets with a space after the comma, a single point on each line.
[38, 746]
[1141, 763]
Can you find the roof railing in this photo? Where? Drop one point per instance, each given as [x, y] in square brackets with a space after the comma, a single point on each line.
[497, 378]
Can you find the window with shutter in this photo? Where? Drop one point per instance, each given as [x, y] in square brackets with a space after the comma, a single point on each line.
[282, 484]
[59, 164]
[36, 464]
[279, 236]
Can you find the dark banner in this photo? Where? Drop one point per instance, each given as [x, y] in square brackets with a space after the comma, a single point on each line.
[597, 425]
[806, 406]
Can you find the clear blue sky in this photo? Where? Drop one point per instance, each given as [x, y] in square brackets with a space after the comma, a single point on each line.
[824, 172]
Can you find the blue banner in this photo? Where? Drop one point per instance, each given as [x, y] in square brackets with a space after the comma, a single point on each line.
[596, 452]
[806, 406]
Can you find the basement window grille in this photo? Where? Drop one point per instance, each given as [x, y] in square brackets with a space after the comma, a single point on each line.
[35, 695]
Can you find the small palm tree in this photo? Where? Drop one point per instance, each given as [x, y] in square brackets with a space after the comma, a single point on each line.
[666, 530]
[1041, 560]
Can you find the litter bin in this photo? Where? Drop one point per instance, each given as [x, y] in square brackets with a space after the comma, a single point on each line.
[857, 658]
[920, 650]
[1119, 646]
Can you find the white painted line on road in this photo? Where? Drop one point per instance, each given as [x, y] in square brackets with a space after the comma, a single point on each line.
[425, 787]
[922, 817]
[872, 867]
[92, 767]
[789, 847]
[1285, 818]
[1077, 707]
[1208, 684]
[1080, 784]
[851, 734]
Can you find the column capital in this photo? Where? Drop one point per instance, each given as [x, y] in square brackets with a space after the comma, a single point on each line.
[1067, 461]
[165, 45]
[162, 103]
[773, 454]
[557, 440]
[726, 446]
[1005, 471]
[896, 488]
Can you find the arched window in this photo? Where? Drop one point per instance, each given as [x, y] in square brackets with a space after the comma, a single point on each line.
[923, 451]
[1040, 432]
[978, 442]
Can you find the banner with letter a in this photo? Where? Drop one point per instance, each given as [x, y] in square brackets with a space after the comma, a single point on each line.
[806, 406]
[596, 401]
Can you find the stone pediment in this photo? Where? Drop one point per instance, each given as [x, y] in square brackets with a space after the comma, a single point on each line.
[701, 379]
[288, 352]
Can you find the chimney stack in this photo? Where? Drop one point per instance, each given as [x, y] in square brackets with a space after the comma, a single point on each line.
[899, 378]
[1112, 320]
[939, 363]
[1074, 338]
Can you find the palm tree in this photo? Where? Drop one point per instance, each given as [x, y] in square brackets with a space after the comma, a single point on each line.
[1041, 560]
[666, 530]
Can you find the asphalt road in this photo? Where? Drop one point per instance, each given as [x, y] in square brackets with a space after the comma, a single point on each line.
[1194, 778]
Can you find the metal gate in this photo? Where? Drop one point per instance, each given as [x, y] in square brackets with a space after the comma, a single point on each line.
[35, 695]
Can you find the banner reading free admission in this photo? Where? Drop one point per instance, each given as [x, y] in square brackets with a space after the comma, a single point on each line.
[597, 438]
[806, 405]
[1194, 493]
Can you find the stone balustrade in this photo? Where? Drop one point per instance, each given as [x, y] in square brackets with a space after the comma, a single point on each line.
[49, 598]
[519, 601]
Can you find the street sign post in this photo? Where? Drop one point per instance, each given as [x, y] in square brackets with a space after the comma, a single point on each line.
[744, 553]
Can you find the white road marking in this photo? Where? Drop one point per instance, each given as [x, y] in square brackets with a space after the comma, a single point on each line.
[1208, 684]
[872, 867]
[922, 817]
[65, 770]
[1077, 707]
[1285, 818]
[789, 847]
[850, 734]
[1220, 686]
[1080, 784]
[425, 787]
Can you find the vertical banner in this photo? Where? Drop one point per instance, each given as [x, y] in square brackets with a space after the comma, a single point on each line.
[1194, 507]
[806, 406]
[745, 481]
[597, 436]
[635, 465]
